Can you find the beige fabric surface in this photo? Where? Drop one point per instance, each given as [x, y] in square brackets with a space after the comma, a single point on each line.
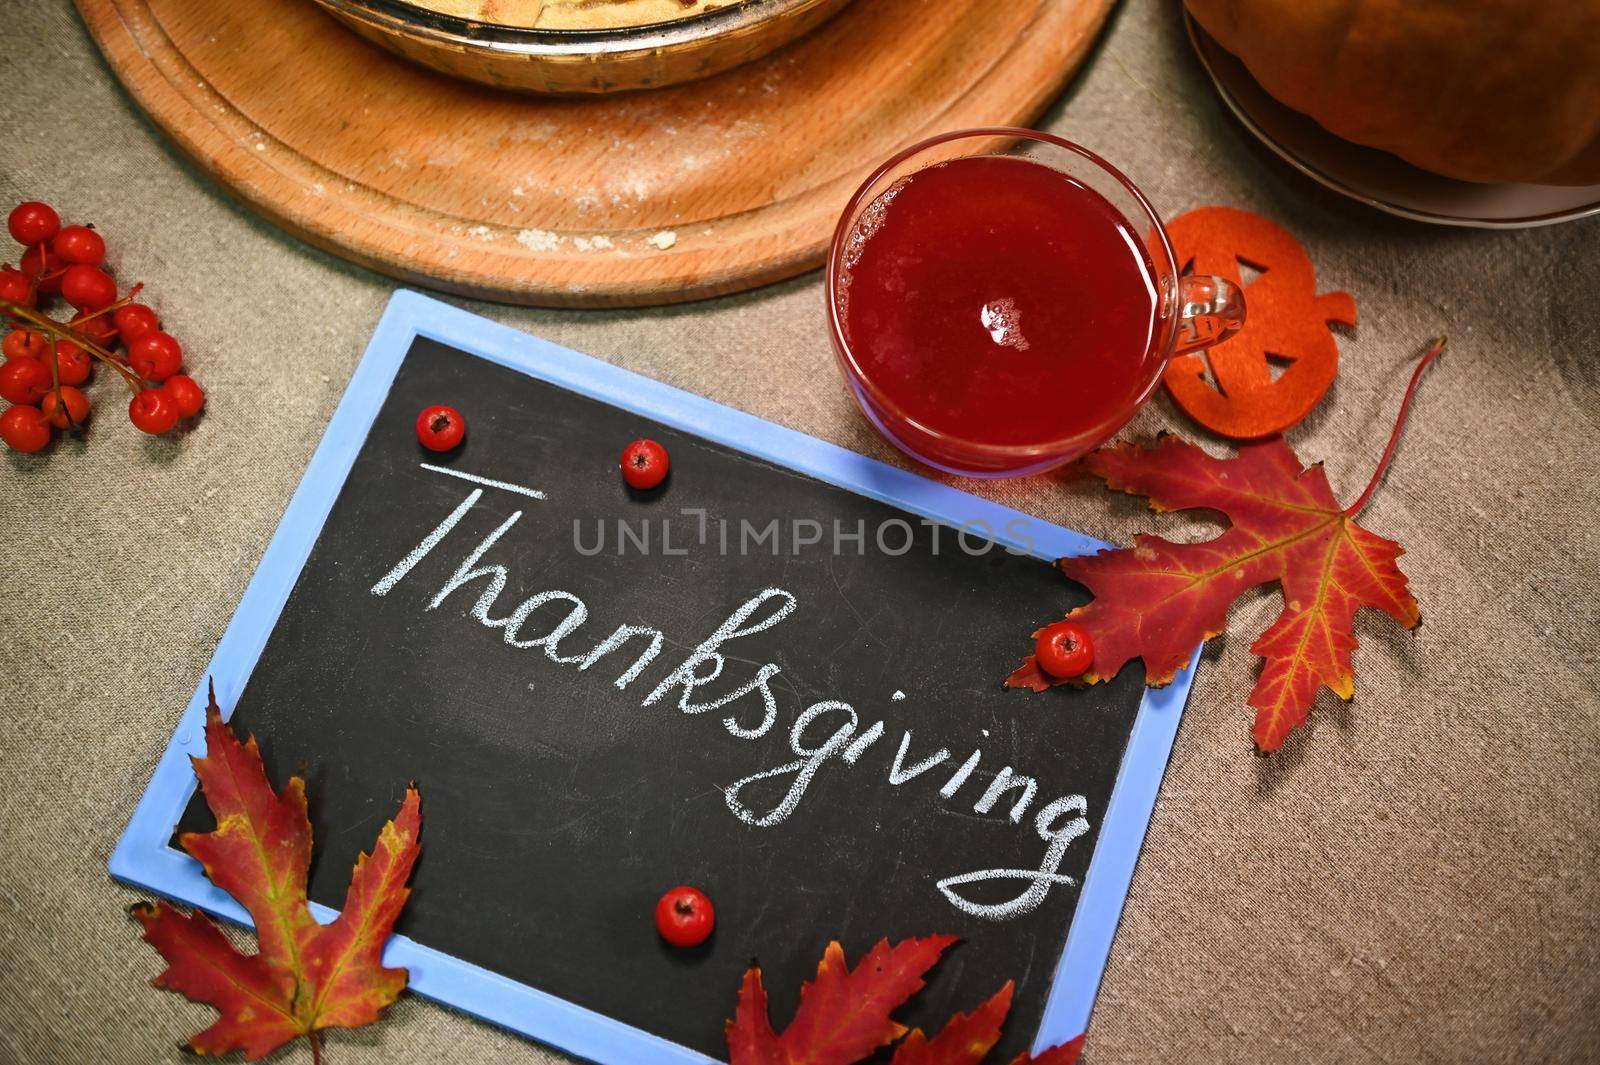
[1413, 880]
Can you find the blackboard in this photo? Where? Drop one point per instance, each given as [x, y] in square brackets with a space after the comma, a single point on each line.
[565, 786]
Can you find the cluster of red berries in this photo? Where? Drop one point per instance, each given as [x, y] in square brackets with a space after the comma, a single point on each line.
[48, 362]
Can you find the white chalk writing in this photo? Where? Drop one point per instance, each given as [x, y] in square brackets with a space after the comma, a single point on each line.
[824, 732]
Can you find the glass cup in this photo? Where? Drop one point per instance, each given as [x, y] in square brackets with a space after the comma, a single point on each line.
[1189, 312]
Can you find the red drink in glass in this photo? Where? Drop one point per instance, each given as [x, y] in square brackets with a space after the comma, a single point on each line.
[997, 313]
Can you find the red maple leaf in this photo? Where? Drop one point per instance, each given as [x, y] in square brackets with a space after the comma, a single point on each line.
[966, 1038]
[305, 976]
[1158, 599]
[845, 1015]
[1067, 1053]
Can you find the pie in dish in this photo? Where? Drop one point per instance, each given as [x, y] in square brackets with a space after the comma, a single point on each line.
[572, 14]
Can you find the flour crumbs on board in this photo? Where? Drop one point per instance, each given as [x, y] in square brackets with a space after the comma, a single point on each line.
[571, 14]
[545, 240]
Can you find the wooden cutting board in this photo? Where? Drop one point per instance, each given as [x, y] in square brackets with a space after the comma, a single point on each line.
[625, 200]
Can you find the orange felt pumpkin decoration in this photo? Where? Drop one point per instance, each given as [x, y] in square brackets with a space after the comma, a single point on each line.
[1286, 322]
[1481, 90]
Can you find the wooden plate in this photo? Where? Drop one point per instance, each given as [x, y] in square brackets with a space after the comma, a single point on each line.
[625, 200]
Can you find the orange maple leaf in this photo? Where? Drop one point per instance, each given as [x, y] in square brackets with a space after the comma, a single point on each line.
[1157, 600]
[306, 976]
[845, 1015]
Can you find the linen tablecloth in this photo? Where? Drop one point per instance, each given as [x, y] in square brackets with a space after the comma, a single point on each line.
[1416, 879]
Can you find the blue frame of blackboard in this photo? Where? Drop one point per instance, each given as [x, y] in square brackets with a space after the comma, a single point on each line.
[144, 857]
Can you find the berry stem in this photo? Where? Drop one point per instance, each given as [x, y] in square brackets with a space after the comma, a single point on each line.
[58, 331]
[110, 308]
[55, 381]
[1434, 351]
[55, 387]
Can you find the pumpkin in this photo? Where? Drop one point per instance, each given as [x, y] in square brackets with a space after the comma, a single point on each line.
[1480, 90]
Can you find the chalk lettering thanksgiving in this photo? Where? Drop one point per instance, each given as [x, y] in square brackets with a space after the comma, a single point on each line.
[826, 737]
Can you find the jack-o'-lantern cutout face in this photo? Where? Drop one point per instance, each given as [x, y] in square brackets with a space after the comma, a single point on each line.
[1286, 326]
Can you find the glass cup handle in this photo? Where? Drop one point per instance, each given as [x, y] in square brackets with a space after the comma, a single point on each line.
[1210, 310]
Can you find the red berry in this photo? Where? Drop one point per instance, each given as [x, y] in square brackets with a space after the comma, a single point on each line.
[441, 428]
[134, 321]
[153, 411]
[88, 288]
[23, 428]
[100, 329]
[1064, 650]
[645, 464]
[20, 342]
[72, 363]
[24, 380]
[685, 917]
[156, 356]
[15, 286]
[80, 244]
[44, 266]
[185, 393]
[33, 222]
[72, 409]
